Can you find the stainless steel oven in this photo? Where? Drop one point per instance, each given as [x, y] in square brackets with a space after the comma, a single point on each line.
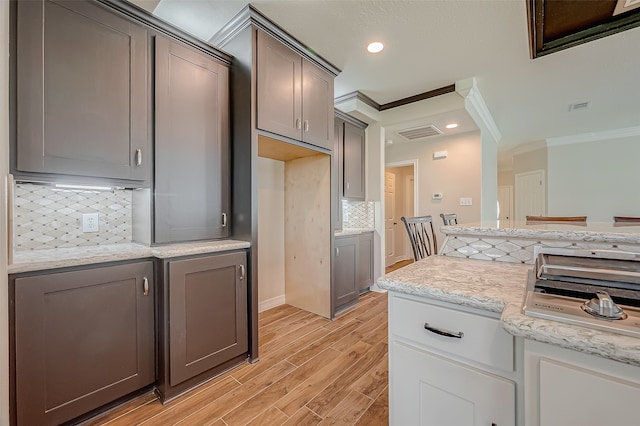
[592, 288]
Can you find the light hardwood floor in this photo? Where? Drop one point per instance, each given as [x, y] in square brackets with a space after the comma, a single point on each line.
[311, 371]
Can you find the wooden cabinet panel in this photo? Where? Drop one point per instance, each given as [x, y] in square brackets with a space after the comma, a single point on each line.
[354, 162]
[82, 92]
[294, 96]
[426, 389]
[344, 268]
[364, 274]
[82, 339]
[191, 144]
[207, 313]
[317, 106]
[279, 88]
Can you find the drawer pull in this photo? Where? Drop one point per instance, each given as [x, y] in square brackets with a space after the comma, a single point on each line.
[242, 272]
[442, 332]
[145, 286]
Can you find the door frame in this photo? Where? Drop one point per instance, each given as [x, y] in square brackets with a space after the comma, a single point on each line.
[405, 163]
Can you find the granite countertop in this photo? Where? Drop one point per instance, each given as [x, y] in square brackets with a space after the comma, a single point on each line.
[499, 287]
[596, 232]
[36, 260]
[352, 231]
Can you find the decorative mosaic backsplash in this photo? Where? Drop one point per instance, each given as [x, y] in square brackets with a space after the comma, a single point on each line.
[518, 250]
[46, 217]
[358, 214]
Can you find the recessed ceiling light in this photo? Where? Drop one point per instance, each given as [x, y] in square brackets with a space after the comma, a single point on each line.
[451, 126]
[375, 47]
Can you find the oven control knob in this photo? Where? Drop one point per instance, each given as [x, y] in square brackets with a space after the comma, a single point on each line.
[603, 307]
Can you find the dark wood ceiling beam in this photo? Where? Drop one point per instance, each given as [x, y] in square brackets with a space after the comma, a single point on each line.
[405, 101]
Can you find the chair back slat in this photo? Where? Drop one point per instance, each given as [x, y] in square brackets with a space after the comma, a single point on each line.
[421, 235]
[449, 219]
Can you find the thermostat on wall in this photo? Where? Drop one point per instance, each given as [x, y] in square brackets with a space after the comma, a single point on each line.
[437, 196]
[440, 154]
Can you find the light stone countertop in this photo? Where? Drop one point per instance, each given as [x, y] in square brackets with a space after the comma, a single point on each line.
[36, 260]
[499, 287]
[352, 231]
[595, 232]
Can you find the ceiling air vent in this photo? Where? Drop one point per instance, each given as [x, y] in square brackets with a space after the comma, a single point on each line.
[420, 132]
[579, 105]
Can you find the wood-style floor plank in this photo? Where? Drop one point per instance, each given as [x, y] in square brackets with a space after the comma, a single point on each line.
[311, 371]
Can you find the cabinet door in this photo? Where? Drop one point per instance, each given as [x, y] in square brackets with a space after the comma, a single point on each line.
[207, 313]
[279, 82]
[573, 395]
[82, 96]
[337, 171]
[354, 160]
[346, 290]
[365, 261]
[317, 106]
[82, 339]
[426, 389]
[191, 148]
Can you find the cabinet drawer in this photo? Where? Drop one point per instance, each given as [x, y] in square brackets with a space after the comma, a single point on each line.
[483, 339]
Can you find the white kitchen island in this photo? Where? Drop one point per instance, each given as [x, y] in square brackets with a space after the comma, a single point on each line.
[487, 363]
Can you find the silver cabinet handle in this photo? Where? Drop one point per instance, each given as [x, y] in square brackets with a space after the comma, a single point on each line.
[442, 332]
[297, 123]
[347, 185]
[306, 125]
[145, 286]
[242, 272]
[138, 157]
[224, 220]
[337, 251]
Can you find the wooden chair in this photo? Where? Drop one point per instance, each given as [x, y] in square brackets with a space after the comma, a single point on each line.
[421, 235]
[449, 219]
[561, 219]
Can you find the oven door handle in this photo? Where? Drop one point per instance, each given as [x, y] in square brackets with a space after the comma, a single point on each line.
[446, 333]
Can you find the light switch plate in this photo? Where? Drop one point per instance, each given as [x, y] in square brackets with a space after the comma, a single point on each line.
[90, 222]
[466, 201]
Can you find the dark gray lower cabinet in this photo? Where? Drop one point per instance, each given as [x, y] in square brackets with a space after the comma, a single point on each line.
[204, 327]
[83, 338]
[353, 268]
[364, 271]
[344, 269]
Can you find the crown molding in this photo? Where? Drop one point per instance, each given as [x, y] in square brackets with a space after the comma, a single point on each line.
[475, 105]
[356, 96]
[595, 136]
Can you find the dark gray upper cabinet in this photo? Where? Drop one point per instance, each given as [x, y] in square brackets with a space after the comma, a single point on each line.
[82, 339]
[295, 97]
[354, 162]
[82, 91]
[191, 144]
[205, 319]
[337, 178]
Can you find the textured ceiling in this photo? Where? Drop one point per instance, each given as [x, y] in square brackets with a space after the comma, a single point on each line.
[433, 43]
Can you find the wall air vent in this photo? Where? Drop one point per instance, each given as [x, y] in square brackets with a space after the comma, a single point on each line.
[579, 105]
[420, 132]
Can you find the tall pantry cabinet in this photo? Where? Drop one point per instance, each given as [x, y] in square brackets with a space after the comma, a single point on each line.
[281, 109]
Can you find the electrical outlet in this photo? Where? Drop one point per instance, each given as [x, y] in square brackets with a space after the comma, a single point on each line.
[466, 201]
[90, 222]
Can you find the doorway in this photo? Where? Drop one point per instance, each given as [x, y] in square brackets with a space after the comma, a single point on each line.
[530, 198]
[505, 205]
[400, 189]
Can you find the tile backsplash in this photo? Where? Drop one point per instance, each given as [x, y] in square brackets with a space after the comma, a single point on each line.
[47, 217]
[358, 214]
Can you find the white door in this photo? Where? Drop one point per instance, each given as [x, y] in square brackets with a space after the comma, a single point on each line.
[389, 218]
[531, 195]
[505, 204]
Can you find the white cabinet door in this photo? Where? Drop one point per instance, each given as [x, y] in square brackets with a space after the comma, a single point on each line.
[574, 396]
[426, 389]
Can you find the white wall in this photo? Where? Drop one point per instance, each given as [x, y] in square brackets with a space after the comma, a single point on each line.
[4, 170]
[271, 253]
[598, 179]
[456, 176]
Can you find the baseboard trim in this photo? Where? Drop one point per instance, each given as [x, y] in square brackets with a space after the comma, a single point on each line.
[271, 303]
